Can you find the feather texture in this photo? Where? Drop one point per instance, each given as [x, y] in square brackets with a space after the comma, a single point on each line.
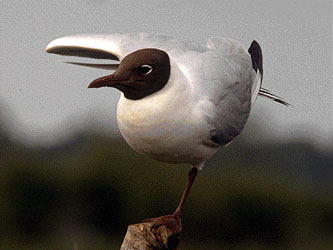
[205, 104]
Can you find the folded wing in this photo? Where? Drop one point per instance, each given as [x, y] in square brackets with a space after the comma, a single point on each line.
[236, 85]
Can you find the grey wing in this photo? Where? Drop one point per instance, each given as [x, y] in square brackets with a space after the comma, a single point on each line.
[234, 89]
[231, 113]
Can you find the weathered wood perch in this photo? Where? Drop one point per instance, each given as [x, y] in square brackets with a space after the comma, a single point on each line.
[143, 237]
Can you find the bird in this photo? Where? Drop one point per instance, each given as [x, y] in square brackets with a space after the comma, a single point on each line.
[181, 100]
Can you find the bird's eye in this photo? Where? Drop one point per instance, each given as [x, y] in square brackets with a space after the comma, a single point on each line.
[145, 69]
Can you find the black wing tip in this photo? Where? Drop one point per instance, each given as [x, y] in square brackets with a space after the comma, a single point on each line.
[266, 93]
[283, 102]
[254, 44]
[256, 56]
[257, 63]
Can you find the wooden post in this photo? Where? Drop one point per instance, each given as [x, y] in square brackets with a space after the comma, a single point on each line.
[143, 237]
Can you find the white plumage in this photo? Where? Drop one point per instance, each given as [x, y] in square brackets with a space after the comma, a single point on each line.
[204, 105]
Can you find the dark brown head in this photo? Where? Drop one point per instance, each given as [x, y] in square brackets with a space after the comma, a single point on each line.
[140, 74]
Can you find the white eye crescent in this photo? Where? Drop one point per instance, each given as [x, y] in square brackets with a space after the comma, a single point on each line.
[145, 69]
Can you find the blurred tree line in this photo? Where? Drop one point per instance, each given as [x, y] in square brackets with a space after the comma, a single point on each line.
[86, 191]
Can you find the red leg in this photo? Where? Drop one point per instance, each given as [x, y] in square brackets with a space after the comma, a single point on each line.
[173, 221]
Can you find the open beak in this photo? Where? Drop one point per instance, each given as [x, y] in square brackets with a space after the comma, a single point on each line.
[110, 81]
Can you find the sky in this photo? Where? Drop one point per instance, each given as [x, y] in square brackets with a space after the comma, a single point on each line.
[45, 101]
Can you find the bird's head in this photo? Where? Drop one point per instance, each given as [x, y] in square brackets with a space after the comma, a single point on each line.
[141, 73]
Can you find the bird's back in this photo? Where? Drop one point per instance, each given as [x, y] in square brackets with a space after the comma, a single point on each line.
[228, 89]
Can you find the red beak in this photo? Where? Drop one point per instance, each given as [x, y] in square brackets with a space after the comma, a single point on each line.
[108, 81]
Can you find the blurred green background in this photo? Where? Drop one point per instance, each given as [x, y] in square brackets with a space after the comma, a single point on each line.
[83, 193]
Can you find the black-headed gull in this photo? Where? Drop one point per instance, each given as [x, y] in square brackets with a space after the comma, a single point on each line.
[181, 100]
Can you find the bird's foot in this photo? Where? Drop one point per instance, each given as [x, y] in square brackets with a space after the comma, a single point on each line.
[173, 222]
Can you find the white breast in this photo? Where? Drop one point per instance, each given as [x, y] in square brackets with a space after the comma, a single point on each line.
[166, 125]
